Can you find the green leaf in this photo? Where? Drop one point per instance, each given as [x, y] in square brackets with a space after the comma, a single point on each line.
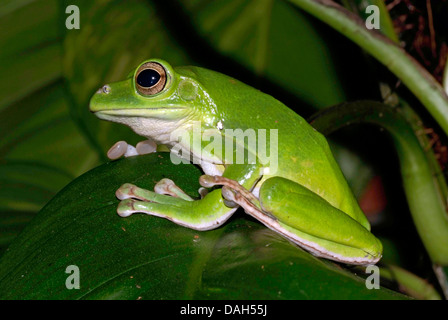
[113, 39]
[273, 41]
[416, 78]
[48, 136]
[145, 257]
[30, 45]
[51, 72]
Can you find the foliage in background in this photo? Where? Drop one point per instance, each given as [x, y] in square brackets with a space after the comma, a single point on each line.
[48, 136]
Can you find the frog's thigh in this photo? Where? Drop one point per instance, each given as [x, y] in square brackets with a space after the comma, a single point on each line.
[204, 214]
[307, 219]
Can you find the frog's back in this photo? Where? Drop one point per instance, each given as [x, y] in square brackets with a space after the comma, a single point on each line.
[304, 155]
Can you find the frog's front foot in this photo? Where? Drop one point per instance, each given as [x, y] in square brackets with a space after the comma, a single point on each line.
[165, 192]
[130, 191]
[168, 187]
[199, 215]
[126, 208]
[135, 199]
[122, 148]
[126, 191]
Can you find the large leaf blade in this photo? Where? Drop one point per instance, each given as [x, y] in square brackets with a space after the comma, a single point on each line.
[152, 258]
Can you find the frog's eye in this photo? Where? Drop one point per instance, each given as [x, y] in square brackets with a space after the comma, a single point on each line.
[150, 78]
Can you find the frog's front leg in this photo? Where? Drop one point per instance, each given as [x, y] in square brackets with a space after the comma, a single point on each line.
[205, 214]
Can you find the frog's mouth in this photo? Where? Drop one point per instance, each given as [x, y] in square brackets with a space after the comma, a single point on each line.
[136, 112]
[167, 113]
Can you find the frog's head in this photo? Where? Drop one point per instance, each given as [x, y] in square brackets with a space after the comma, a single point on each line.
[154, 100]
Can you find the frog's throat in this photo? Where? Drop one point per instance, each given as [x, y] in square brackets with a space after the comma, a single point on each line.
[158, 129]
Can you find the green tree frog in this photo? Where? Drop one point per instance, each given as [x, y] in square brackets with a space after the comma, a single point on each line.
[298, 191]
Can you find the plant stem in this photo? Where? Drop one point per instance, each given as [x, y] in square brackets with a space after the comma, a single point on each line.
[426, 203]
[412, 74]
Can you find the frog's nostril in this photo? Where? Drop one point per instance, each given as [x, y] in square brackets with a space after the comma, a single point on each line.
[104, 89]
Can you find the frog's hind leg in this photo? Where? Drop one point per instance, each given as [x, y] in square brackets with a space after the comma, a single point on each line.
[304, 218]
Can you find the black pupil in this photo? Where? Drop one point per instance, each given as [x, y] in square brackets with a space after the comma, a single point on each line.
[147, 78]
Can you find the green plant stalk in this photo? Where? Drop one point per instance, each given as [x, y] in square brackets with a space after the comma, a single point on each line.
[407, 69]
[392, 98]
[410, 283]
[445, 77]
[387, 29]
[427, 205]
